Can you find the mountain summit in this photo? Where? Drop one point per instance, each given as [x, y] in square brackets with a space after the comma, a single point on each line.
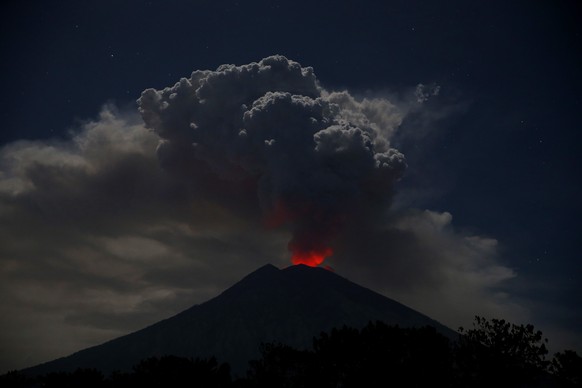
[290, 306]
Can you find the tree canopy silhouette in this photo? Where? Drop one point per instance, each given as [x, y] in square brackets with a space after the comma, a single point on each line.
[567, 367]
[493, 352]
[496, 351]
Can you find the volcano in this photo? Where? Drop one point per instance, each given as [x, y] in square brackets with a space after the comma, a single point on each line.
[289, 306]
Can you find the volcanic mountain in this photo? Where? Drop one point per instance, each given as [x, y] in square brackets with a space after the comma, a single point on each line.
[289, 306]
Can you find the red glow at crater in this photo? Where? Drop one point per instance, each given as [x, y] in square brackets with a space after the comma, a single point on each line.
[312, 258]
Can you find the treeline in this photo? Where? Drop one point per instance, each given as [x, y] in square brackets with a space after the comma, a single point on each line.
[492, 353]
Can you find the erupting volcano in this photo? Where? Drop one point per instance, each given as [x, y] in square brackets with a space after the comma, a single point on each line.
[308, 158]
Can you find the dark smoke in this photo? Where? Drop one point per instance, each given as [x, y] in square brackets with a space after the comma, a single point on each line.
[266, 137]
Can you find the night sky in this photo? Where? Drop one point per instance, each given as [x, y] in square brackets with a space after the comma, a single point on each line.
[434, 147]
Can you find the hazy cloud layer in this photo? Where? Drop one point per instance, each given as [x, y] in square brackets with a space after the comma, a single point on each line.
[123, 225]
[418, 258]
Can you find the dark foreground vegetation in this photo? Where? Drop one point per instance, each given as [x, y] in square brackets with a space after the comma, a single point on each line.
[492, 353]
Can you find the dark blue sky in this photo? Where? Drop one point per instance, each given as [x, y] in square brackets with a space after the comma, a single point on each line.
[504, 159]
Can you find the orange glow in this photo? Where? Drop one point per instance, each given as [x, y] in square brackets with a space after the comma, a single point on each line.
[312, 258]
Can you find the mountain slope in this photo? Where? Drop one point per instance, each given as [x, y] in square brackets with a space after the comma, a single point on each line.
[269, 305]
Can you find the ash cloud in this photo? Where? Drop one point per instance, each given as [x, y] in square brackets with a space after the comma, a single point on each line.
[268, 131]
[121, 226]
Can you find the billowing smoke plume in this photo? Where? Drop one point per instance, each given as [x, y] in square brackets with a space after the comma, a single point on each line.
[265, 138]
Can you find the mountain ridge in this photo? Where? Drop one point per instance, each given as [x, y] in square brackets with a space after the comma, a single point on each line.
[290, 305]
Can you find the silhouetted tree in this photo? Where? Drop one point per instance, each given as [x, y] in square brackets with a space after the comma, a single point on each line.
[91, 378]
[376, 356]
[15, 379]
[172, 371]
[118, 379]
[282, 366]
[492, 353]
[499, 352]
[567, 367]
[380, 355]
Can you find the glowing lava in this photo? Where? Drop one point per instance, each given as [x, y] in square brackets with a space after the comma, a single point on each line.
[312, 258]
